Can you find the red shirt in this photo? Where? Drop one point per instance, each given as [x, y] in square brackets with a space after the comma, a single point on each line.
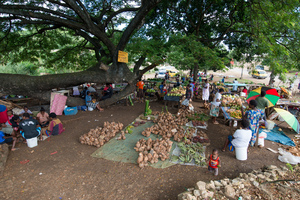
[213, 163]
[245, 91]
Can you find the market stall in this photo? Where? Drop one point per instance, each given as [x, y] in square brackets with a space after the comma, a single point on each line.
[175, 95]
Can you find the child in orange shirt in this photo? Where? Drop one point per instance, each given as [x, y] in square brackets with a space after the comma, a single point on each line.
[214, 162]
[140, 86]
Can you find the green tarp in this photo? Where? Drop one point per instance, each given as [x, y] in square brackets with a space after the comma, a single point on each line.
[123, 150]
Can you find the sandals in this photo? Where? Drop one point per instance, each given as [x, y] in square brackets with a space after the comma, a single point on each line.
[15, 149]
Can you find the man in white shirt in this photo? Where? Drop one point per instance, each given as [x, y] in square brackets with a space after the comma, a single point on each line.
[235, 87]
[215, 106]
[240, 138]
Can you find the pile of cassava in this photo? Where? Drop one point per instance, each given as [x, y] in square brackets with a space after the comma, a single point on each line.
[99, 136]
[168, 126]
[150, 150]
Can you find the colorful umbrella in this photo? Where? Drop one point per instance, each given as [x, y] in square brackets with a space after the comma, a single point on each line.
[284, 90]
[271, 94]
[288, 118]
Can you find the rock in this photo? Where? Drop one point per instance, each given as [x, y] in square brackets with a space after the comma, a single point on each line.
[261, 176]
[241, 186]
[224, 183]
[281, 172]
[210, 186]
[209, 194]
[197, 193]
[190, 197]
[271, 167]
[284, 168]
[267, 174]
[218, 184]
[252, 179]
[190, 189]
[244, 175]
[236, 181]
[255, 183]
[201, 185]
[183, 196]
[252, 176]
[229, 191]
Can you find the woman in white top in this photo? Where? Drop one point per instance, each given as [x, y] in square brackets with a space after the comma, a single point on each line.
[215, 106]
[205, 91]
[241, 137]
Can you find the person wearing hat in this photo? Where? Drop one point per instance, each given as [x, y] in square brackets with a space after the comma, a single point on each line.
[43, 117]
[55, 126]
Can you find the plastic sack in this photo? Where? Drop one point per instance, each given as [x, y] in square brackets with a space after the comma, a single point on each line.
[185, 102]
[261, 139]
[288, 157]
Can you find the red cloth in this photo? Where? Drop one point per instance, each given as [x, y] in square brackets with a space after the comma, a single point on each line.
[245, 91]
[213, 163]
[3, 114]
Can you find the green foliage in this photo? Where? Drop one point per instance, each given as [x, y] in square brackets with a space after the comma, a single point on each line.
[186, 52]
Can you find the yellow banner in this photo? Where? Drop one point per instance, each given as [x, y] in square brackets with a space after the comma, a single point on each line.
[123, 57]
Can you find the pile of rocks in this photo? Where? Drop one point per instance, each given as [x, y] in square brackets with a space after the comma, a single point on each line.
[243, 186]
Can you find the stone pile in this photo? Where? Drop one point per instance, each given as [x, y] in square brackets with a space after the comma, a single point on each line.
[234, 188]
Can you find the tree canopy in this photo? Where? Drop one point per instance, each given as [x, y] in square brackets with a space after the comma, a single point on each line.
[86, 36]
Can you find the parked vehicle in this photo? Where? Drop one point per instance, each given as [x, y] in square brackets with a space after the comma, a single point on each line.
[259, 74]
[161, 74]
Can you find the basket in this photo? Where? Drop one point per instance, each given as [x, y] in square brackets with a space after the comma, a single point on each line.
[70, 111]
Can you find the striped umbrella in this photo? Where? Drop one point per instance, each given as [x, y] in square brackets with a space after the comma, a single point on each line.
[271, 94]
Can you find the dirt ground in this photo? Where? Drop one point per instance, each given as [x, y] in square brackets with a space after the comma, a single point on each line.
[72, 173]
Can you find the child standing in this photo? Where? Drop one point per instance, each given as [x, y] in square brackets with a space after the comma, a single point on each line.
[214, 162]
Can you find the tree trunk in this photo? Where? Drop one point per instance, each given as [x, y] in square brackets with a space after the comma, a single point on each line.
[242, 72]
[40, 86]
[272, 79]
[196, 69]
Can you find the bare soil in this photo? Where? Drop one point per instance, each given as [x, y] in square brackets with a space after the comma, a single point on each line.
[72, 173]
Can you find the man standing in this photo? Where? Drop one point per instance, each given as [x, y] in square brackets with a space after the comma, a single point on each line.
[235, 87]
[262, 103]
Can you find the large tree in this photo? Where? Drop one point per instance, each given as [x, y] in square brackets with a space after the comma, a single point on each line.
[71, 30]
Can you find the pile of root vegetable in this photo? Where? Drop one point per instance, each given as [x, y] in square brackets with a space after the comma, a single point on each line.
[151, 150]
[168, 126]
[99, 136]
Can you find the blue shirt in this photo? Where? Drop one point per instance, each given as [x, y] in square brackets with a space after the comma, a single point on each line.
[1, 137]
[161, 87]
[192, 85]
[88, 98]
[223, 80]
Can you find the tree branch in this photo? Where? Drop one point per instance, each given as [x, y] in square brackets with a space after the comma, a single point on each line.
[135, 22]
[143, 71]
[118, 12]
[138, 64]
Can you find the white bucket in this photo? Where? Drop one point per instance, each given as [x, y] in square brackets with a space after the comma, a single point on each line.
[90, 109]
[241, 153]
[270, 125]
[33, 142]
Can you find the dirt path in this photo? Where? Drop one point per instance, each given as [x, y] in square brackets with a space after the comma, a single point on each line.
[72, 173]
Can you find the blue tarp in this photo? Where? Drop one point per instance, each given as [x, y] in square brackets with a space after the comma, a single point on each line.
[277, 136]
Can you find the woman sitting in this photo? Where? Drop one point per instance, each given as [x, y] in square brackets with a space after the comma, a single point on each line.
[55, 126]
[43, 118]
[240, 138]
[91, 103]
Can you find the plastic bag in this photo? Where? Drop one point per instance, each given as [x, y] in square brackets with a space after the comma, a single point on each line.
[287, 157]
[185, 102]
